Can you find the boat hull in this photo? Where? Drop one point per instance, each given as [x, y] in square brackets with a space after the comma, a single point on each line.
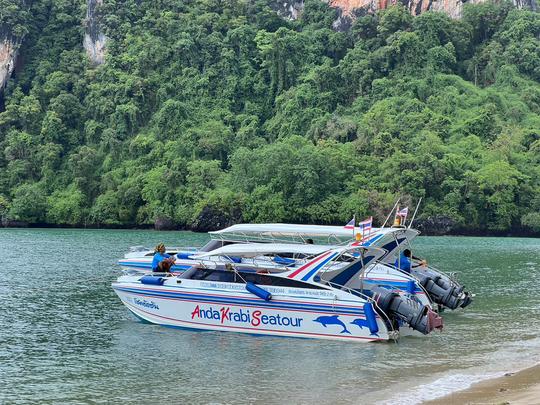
[299, 317]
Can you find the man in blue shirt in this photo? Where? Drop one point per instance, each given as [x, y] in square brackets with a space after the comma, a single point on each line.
[404, 261]
[162, 261]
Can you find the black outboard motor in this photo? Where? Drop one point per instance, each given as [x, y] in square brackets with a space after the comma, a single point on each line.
[442, 290]
[418, 316]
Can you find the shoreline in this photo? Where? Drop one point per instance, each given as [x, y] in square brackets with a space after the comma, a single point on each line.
[515, 388]
[152, 228]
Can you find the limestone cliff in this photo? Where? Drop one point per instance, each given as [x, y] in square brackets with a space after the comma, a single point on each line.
[9, 48]
[288, 9]
[348, 9]
[94, 40]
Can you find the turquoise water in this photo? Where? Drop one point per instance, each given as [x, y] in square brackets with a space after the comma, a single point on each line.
[66, 338]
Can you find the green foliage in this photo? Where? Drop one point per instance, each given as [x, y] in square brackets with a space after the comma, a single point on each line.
[531, 221]
[29, 203]
[213, 112]
[66, 206]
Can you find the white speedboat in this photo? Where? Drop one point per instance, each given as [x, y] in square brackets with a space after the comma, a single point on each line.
[445, 290]
[299, 302]
[281, 257]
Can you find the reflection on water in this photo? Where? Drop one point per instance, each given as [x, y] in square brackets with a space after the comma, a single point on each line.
[65, 337]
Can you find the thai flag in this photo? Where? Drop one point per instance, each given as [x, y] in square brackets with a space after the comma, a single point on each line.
[403, 212]
[365, 225]
[350, 224]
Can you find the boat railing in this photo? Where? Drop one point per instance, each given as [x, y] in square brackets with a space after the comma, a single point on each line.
[144, 272]
[452, 275]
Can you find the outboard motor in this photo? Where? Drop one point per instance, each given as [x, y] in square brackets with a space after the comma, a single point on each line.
[419, 317]
[443, 290]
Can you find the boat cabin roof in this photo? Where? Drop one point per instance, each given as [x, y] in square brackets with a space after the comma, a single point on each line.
[260, 249]
[286, 230]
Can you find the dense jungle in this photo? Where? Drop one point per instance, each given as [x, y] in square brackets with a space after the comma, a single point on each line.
[211, 112]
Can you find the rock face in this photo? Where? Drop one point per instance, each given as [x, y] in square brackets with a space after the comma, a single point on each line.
[288, 9]
[211, 218]
[94, 40]
[349, 9]
[9, 48]
[435, 225]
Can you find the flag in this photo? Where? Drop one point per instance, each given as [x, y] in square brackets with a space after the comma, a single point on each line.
[365, 225]
[350, 224]
[403, 212]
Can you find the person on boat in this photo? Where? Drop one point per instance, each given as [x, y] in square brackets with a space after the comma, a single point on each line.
[162, 261]
[405, 261]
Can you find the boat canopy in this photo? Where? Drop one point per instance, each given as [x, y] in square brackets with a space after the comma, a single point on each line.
[286, 230]
[258, 249]
[393, 239]
[375, 237]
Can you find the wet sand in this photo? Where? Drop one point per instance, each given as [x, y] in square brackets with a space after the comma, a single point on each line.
[521, 388]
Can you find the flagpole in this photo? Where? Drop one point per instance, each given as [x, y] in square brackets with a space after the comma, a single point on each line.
[388, 217]
[414, 215]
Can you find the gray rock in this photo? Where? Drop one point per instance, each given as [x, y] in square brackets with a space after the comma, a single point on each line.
[94, 40]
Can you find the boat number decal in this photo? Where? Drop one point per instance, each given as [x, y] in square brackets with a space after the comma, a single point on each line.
[255, 318]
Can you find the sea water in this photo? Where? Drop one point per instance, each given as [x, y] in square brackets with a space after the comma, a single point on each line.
[66, 338]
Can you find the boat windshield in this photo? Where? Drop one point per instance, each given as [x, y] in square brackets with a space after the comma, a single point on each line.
[228, 276]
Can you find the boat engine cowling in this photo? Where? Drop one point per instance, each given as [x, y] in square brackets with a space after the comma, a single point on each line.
[442, 289]
[418, 316]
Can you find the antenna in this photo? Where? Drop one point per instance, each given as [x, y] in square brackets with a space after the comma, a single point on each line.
[388, 217]
[414, 215]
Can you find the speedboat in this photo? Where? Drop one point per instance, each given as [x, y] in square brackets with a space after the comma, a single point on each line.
[444, 289]
[280, 257]
[310, 301]
[306, 235]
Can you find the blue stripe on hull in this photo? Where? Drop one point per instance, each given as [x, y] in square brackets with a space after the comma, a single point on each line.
[148, 266]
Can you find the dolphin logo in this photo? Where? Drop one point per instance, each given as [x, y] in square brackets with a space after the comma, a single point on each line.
[331, 320]
[362, 323]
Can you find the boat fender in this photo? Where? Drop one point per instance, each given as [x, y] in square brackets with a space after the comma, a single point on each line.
[411, 286]
[258, 291]
[152, 280]
[184, 255]
[371, 318]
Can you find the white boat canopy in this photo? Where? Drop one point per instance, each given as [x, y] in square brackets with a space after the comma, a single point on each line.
[260, 249]
[306, 231]
[391, 239]
[287, 230]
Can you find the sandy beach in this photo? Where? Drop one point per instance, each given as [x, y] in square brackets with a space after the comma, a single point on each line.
[521, 388]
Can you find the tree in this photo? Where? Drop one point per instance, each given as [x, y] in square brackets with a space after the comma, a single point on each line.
[28, 203]
[66, 207]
